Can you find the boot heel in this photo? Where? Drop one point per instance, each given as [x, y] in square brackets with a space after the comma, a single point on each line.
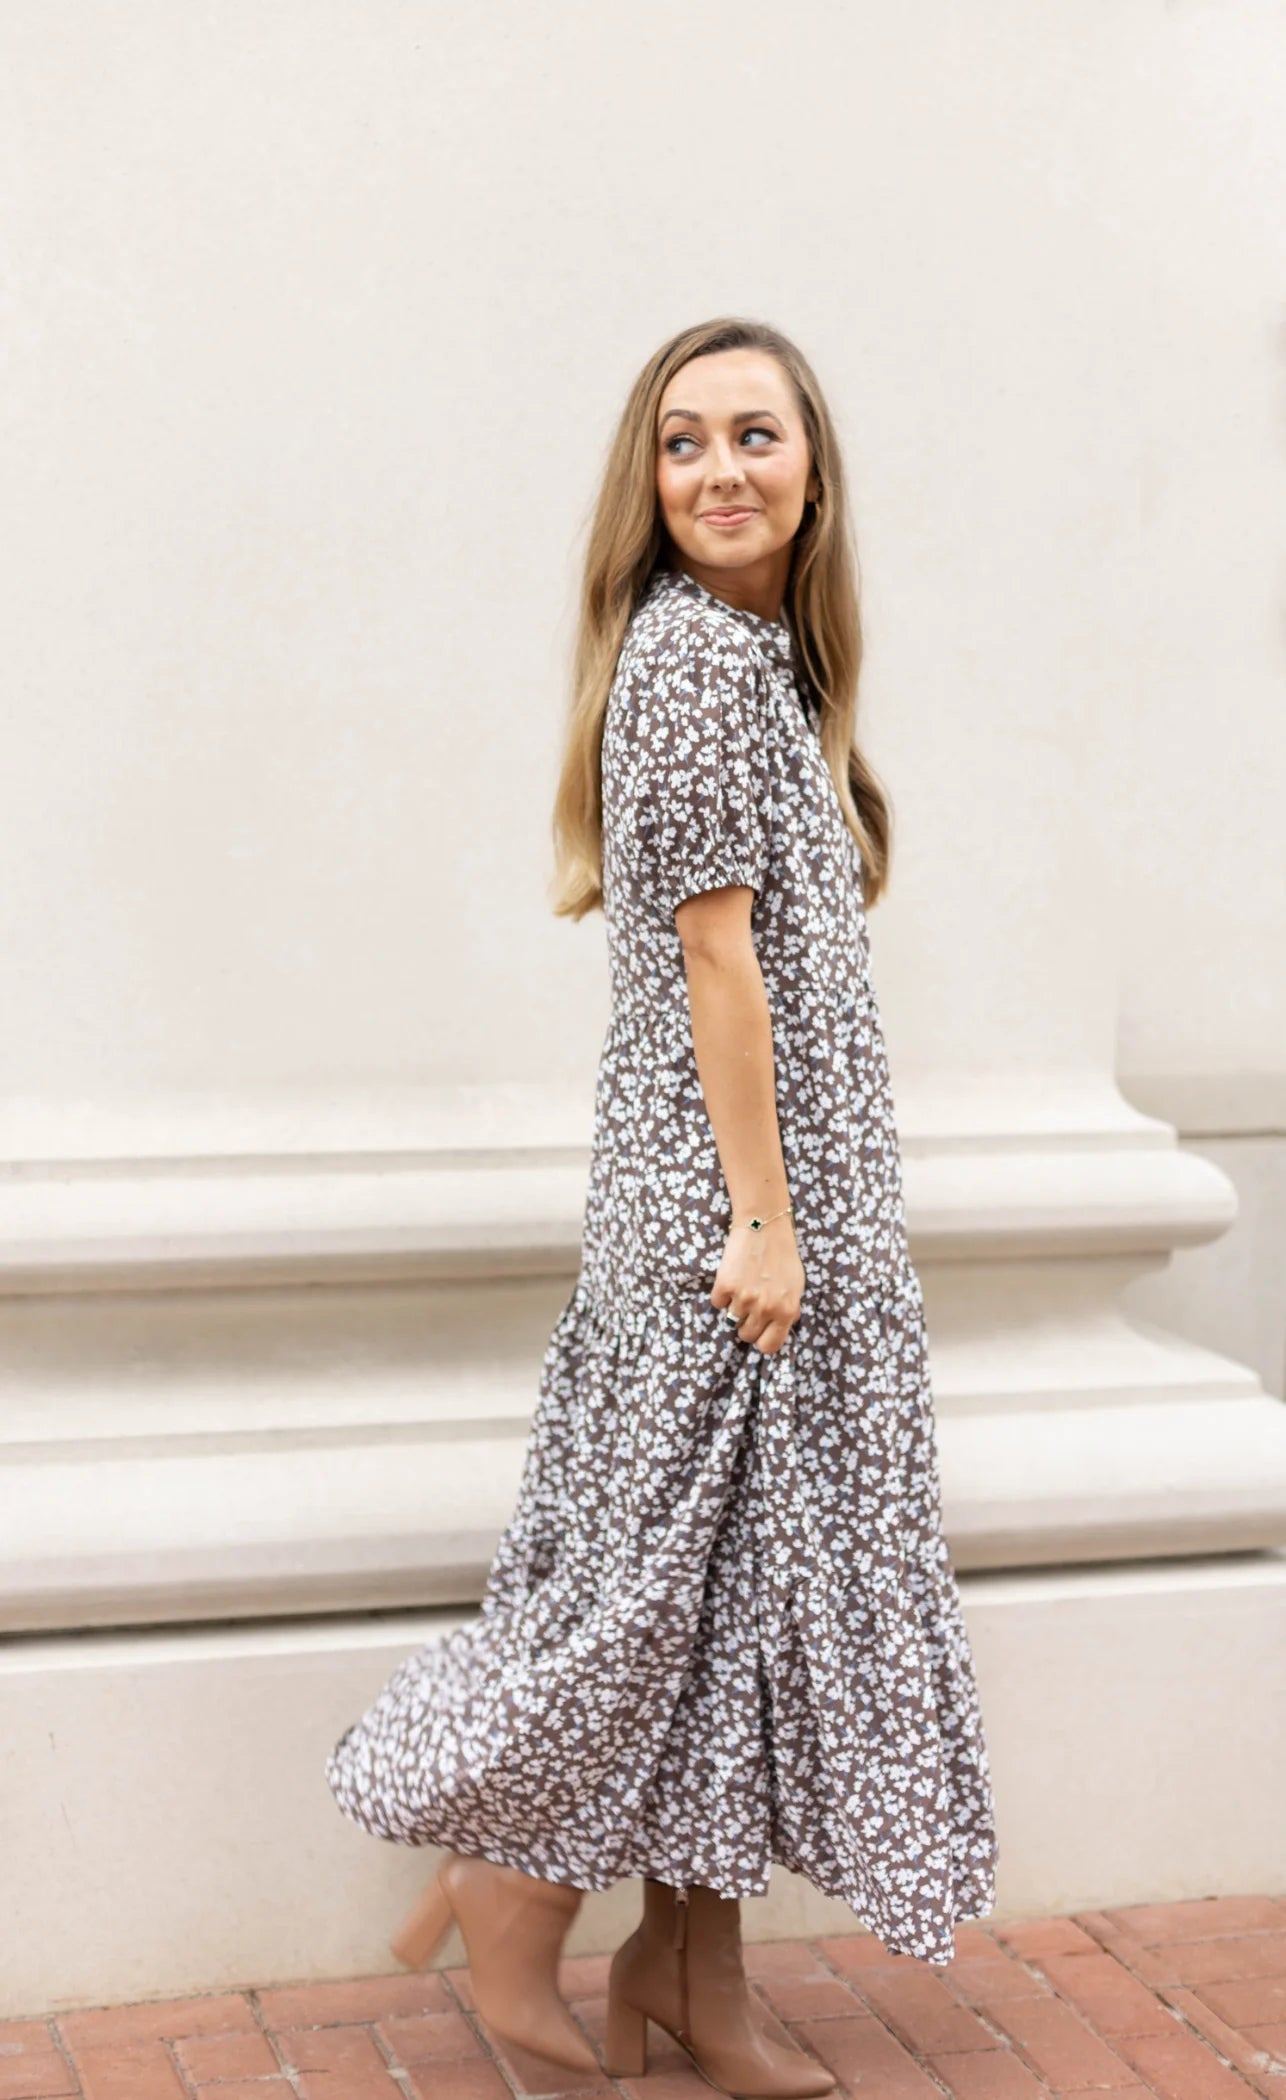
[423, 1930]
[625, 2053]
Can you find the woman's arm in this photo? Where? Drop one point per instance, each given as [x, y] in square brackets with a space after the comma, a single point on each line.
[760, 1276]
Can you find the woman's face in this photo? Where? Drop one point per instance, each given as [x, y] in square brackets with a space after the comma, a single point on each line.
[732, 465]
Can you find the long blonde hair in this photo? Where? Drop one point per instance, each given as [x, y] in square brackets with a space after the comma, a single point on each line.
[627, 541]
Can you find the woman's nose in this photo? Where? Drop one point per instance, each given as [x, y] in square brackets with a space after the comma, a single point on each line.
[726, 468]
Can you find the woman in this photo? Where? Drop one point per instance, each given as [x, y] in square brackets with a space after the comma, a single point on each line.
[722, 1628]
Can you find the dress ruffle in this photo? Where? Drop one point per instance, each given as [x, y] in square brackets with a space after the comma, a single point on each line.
[714, 1551]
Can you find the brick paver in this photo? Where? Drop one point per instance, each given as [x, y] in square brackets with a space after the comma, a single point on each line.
[1156, 2001]
[225, 2058]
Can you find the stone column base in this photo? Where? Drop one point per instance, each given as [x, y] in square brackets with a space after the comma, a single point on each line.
[170, 1829]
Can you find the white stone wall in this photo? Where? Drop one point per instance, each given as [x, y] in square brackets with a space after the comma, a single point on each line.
[317, 321]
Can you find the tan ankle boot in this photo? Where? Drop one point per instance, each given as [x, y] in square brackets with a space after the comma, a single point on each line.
[513, 1926]
[682, 1967]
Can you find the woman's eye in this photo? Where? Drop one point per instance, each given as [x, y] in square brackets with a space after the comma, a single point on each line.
[685, 438]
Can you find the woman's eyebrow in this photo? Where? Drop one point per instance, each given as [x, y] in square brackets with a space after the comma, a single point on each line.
[745, 415]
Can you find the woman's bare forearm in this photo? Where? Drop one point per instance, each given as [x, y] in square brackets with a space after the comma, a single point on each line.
[732, 1040]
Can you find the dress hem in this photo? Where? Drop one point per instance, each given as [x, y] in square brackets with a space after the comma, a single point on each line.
[975, 1899]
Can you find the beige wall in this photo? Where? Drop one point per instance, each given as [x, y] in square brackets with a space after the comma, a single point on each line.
[317, 322]
[1198, 782]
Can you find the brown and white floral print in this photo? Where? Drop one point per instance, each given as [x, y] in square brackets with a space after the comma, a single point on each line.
[722, 1628]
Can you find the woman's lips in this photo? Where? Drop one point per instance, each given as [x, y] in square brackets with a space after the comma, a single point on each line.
[728, 517]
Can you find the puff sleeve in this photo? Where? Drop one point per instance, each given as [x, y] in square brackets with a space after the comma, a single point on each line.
[700, 780]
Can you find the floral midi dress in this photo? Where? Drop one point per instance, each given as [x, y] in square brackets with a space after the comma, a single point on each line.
[722, 1628]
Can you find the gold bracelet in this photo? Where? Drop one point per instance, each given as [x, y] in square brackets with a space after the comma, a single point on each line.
[757, 1224]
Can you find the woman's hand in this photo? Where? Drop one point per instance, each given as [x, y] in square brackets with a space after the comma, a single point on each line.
[761, 1279]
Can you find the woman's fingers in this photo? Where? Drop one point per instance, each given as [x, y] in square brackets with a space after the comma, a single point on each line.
[773, 1336]
[765, 1325]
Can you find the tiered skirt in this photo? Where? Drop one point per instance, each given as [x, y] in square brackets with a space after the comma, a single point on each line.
[721, 1631]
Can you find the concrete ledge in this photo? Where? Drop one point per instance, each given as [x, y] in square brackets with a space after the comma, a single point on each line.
[176, 1832]
[452, 1185]
[178, 1457]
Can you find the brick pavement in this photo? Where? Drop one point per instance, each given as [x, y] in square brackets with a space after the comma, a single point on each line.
[1178, 2001]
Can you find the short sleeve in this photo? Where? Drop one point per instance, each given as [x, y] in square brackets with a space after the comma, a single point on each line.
[699, 790]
